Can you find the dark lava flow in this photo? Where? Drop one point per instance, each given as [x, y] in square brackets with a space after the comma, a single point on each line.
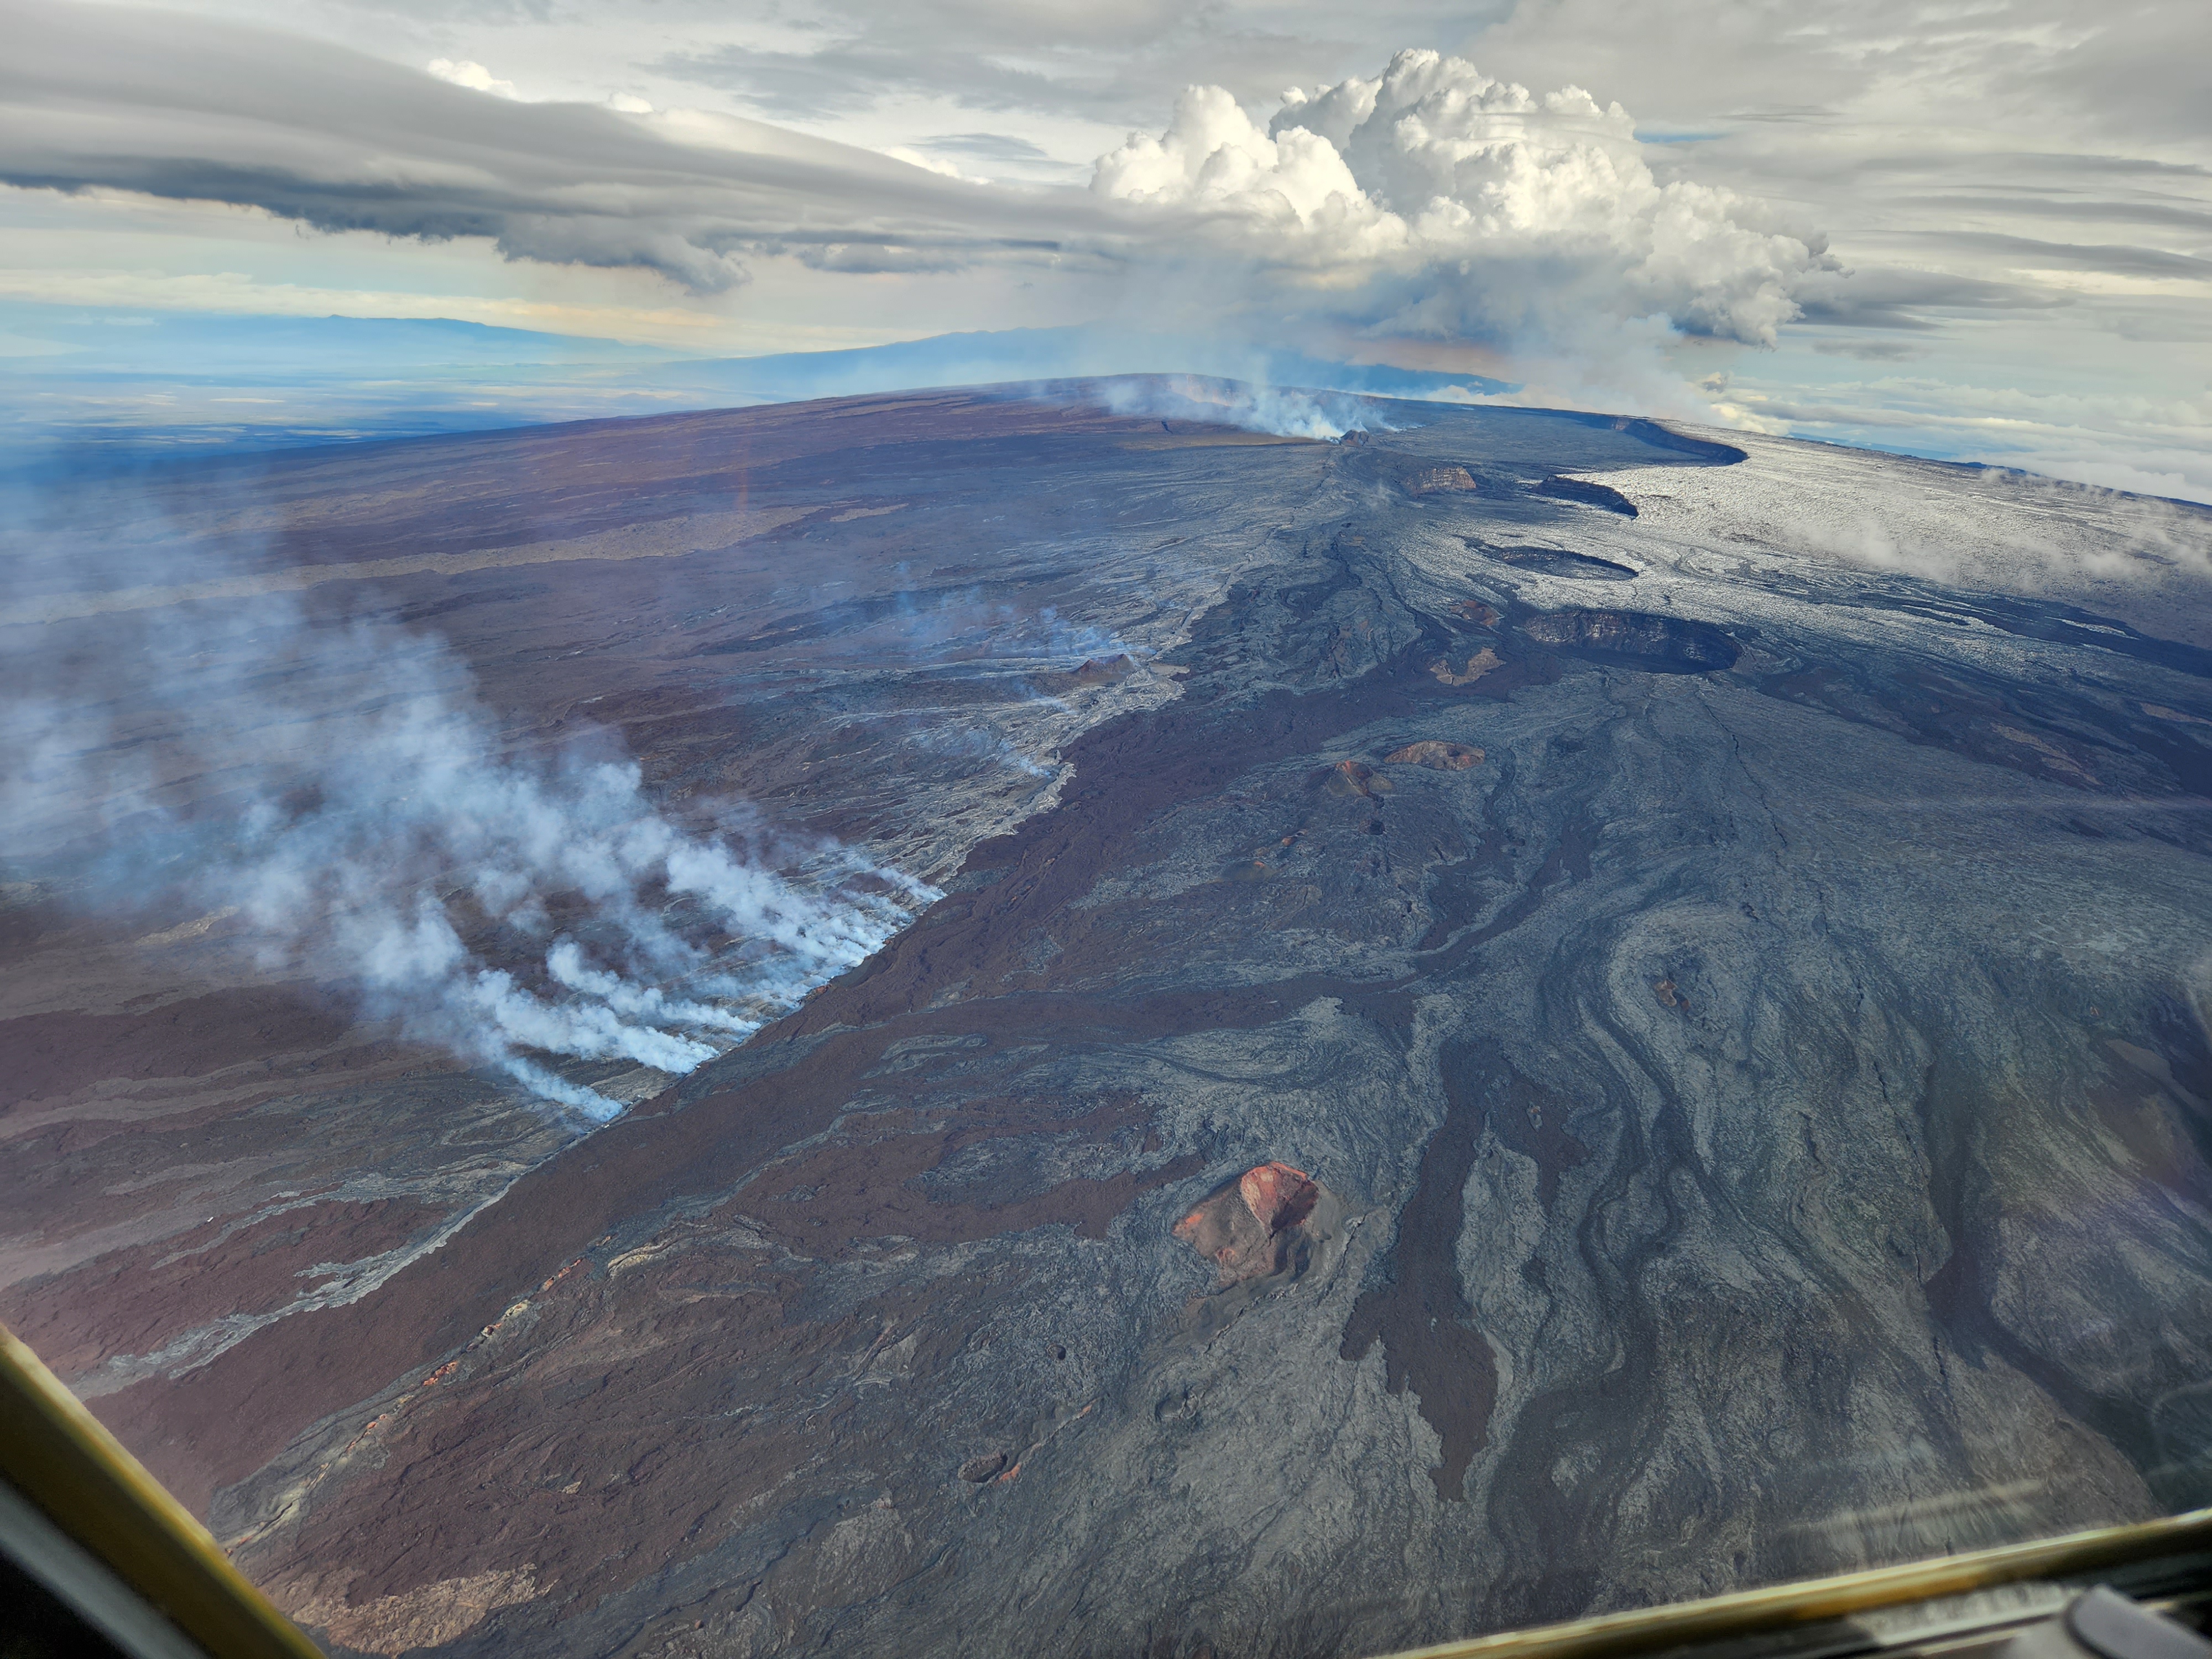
[1421, 1316]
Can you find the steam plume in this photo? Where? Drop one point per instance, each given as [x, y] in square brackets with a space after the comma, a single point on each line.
[1287, 413]
[342, 789]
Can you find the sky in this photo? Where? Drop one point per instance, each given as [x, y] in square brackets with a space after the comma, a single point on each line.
[1979, 230]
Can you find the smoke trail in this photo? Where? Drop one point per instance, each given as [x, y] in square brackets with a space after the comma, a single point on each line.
[341, 788]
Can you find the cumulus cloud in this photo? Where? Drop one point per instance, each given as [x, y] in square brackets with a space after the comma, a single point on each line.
[1434, 201]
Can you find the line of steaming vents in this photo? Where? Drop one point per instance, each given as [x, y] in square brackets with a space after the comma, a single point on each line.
[671, 1027]
[677, 1024]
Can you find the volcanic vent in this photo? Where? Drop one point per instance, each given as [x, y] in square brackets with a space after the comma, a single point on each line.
[1255, 1228]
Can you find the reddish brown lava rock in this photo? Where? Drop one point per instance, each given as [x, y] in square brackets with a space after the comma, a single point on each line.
[1278, 1195]
[1104, 671]
[1439, 478]
[1436, 755]
[1477, 612]
[1477, 666]
[1248, 1229]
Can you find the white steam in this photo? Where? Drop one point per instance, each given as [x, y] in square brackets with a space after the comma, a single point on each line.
[341, 790]
[691, 947]
[1432, 201]
[1327, 416]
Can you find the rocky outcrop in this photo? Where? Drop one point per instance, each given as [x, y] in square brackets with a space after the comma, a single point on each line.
[1350, 777]
[1247, 1228]
[1477, 666]
[1436, 755]
[1278, 1195]
[1104, 671]
[436, 1613]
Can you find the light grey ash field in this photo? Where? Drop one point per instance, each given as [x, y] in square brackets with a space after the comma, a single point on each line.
[1760, 1101]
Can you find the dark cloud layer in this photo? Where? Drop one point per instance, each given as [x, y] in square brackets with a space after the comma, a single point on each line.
[1104, 63]
[2071, 255]
[987, 147]
[190, 110]
[1912, 299]
[2038, 205]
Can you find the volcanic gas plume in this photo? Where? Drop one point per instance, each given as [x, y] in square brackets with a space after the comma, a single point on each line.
[336, 786]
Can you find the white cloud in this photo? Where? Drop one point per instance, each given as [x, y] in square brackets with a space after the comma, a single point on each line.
[938, 164]
[1213, 156]
[473, 75]
[2118, 438]
[1435, 202]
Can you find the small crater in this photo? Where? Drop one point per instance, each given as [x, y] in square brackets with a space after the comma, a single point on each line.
[1558, 562]
[1665, 642]
[1588, 494]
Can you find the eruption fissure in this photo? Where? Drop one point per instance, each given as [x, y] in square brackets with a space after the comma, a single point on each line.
[660, 985]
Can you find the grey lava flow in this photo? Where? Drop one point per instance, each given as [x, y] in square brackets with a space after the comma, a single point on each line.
[1504, 1048]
